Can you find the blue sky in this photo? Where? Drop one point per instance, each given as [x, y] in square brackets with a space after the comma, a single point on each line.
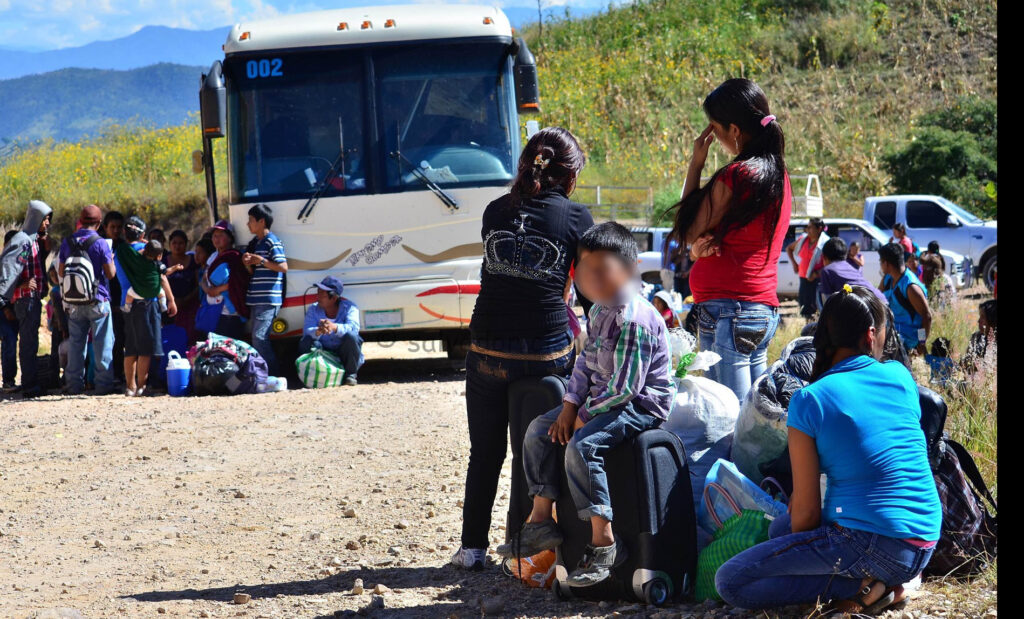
[50, 24]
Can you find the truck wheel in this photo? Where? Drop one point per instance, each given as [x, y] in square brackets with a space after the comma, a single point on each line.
[988, 272]
[656, 592]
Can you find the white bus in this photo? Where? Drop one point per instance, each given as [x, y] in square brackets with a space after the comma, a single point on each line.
[377, 136]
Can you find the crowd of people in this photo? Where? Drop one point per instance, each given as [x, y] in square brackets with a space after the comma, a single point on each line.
[118, 291]
[858, 421]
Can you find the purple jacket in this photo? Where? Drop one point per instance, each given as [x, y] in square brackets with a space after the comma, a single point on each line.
[626, 359]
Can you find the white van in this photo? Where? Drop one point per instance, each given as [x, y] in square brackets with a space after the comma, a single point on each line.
[377, 136]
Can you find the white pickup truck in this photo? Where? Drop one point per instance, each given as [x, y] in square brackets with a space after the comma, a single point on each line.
[934, 218]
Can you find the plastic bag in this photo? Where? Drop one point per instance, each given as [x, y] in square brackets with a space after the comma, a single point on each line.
[535, 571]
[210, 375]
[761, 434]
[738, 491]
[318, 368]
[704, 416]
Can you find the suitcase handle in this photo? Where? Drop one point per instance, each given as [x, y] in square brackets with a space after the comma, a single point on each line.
[725, 494]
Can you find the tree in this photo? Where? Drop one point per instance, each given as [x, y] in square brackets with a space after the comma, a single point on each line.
[953, 154]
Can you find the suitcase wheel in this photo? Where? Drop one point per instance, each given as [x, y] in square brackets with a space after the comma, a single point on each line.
[561, 590]
[656, 591]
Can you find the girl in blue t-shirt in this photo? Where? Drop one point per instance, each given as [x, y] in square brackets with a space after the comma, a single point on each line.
[858, 422]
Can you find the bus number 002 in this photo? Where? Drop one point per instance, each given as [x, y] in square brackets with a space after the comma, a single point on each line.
[263, 68]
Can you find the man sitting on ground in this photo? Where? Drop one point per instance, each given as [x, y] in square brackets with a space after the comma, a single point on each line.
[334, 321]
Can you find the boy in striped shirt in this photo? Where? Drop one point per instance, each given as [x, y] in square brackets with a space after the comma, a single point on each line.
[265, 259]
[621, 385]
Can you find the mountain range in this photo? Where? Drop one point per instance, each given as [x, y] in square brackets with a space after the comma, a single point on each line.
[150, 77]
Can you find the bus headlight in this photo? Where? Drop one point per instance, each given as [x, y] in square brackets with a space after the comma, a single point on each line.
[279, 326]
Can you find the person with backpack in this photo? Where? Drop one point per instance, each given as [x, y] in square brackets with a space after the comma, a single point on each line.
[859, 422]
[23, 286]
[907, 297]
[86, 266]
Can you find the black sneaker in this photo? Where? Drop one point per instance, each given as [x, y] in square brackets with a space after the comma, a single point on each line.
[534, 538]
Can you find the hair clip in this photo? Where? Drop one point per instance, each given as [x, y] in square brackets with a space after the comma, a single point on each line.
[540, 162]
[767, 119]
[848, 288]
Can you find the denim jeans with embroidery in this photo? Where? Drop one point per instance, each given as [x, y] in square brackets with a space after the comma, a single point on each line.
[740, 332]
[827, 563]
[487, 381]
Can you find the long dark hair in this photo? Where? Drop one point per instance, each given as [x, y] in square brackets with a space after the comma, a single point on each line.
[552, 158]
[845, 318]
[741, 102]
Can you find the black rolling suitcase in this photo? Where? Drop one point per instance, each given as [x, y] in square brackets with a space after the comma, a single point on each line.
[649, 484]
[528, 398]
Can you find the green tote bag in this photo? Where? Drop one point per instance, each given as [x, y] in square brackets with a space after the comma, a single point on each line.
[744, 529]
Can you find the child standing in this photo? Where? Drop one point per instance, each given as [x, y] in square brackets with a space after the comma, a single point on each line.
[621, 385]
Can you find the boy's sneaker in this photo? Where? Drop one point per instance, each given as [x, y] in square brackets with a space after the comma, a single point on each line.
[470, 558]
[534, 538]
[597, 563]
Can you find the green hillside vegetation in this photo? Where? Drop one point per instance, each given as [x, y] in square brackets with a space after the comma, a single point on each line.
[70, 103]
[848, 79]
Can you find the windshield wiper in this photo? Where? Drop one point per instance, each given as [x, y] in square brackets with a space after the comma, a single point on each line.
[338, 165]
[423, 178]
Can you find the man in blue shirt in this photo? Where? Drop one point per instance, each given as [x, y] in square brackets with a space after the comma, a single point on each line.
[334, 321]
[94, 318]
[267, 263]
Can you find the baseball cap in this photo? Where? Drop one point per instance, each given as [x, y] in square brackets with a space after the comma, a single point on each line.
[226, 226]
[331, 284]
[90, 215]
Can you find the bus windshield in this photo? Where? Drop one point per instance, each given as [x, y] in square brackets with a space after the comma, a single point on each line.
[300, 122]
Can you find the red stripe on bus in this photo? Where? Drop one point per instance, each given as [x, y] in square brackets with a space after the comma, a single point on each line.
[452, 289]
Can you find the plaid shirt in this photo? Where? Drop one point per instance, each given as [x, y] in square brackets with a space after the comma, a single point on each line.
[31, 260]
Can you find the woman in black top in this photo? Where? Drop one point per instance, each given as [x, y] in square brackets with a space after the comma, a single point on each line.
[520, 324]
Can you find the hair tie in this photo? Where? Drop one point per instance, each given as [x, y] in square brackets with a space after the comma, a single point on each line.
[847, 288]
[540, 162]
[767, 119]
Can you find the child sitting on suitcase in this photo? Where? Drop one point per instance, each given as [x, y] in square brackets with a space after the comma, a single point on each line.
[621, 385]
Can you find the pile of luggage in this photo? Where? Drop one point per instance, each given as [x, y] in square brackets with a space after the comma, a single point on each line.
[703, 487]
[226, 366]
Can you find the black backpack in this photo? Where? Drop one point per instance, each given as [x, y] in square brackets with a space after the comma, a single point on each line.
[967, 545]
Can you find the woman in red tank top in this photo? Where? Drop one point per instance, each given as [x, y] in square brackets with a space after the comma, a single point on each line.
[735, 225]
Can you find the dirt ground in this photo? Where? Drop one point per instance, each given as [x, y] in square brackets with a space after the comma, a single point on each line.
[158, 506]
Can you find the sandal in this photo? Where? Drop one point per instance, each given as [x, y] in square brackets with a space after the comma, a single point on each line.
[859, 606]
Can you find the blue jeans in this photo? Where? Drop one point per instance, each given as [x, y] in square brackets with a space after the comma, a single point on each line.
[740, 332]
[584, 457]
[487, 381]
[83, 320]
[8, 349]
[825, 564]
[349, 351]
[262, 316]
[29, 312]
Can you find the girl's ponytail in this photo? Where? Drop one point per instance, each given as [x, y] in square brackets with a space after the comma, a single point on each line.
[845, 318]
[552, 158]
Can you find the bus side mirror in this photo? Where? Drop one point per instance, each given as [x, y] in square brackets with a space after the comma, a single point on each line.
[525, 71]
[213, 102]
